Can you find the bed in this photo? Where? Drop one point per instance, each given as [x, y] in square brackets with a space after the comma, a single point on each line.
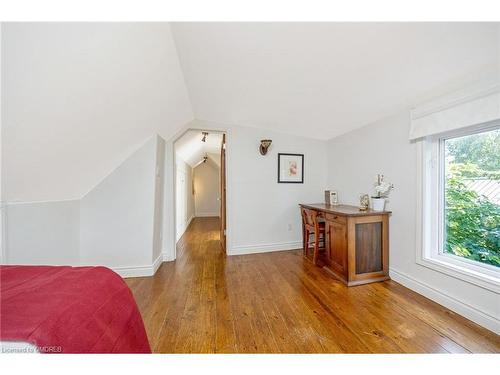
[62, 309]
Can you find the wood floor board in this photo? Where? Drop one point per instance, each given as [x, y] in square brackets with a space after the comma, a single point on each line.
[448, 324]
[303, 329]
[280, 314]
[340, 307]
[225, 336]
[207, 302]
[315, 313]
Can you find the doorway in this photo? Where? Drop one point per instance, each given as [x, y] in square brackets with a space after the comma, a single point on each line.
[200, 182]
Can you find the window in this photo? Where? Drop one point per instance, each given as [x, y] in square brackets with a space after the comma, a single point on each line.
[471, 192]
[460, 204]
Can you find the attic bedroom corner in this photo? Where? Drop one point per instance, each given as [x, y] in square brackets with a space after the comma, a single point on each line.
[320, 184]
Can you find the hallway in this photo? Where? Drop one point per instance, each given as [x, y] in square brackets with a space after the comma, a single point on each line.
[205, 302]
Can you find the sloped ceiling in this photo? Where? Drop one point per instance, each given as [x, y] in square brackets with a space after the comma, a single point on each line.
[324, 79]
[79, 98]
[191, 149]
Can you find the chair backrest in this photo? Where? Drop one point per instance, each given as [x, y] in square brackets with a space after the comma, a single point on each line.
[310, 217]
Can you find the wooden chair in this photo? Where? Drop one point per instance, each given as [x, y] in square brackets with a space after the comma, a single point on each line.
[311, 225]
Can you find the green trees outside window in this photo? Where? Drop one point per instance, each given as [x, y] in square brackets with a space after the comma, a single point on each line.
[472, 197]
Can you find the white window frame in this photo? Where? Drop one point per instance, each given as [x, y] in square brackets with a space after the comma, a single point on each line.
[430, 211]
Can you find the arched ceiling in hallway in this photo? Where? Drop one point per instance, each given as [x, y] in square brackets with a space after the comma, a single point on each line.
[191, 149]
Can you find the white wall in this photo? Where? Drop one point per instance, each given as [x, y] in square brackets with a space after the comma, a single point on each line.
[184, 205]
[43, 233]
[264, 215]
[206, 189]
[78, 98]
[383, 147]
[158, 198]
[117, 217]
[117, 224]
[2, 209]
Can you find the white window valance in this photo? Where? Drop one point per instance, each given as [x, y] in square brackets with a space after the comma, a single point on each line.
[456, 111]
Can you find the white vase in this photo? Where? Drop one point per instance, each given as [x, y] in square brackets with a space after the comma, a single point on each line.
[378, 204]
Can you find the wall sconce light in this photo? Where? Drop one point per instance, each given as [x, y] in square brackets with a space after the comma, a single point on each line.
[205, 134]
[264, 145]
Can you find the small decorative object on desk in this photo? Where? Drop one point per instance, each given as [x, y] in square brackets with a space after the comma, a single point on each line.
[327, 197]
[382, 190]
[334, 197]
[364, 202]
[331, 198]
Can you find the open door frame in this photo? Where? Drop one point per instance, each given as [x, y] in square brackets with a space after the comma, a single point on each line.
[170, 252]
[223, 193]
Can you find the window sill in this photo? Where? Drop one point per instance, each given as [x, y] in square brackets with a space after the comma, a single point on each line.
[462, 273]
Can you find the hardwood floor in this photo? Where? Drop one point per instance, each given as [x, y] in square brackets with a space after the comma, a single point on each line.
[205, 302]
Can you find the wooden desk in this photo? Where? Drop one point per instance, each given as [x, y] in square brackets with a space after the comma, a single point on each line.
[357, 242]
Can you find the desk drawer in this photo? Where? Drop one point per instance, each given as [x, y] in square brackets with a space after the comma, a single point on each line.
[336, 218]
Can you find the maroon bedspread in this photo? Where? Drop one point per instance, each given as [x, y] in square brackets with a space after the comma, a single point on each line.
[70, 310]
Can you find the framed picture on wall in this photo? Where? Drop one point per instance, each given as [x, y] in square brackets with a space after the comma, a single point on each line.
[291, 168]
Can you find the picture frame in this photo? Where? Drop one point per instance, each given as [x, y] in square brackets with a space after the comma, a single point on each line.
[290, 168]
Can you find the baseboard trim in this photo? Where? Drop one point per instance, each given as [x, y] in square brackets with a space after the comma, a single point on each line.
[470, 312]
[264, 248]
[186, 226]
[166, 257]
[206, 214]
[157, 263]
[140, 271]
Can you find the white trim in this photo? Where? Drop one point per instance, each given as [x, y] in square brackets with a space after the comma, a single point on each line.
[454, 99]
[428, 221]
[459, 110]
[470, 312]
[15, 203]
[207, 214]
[157, 263]
[186, 226]
[169, 197]
[264, 248]
[461, 273]
[140, 271]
